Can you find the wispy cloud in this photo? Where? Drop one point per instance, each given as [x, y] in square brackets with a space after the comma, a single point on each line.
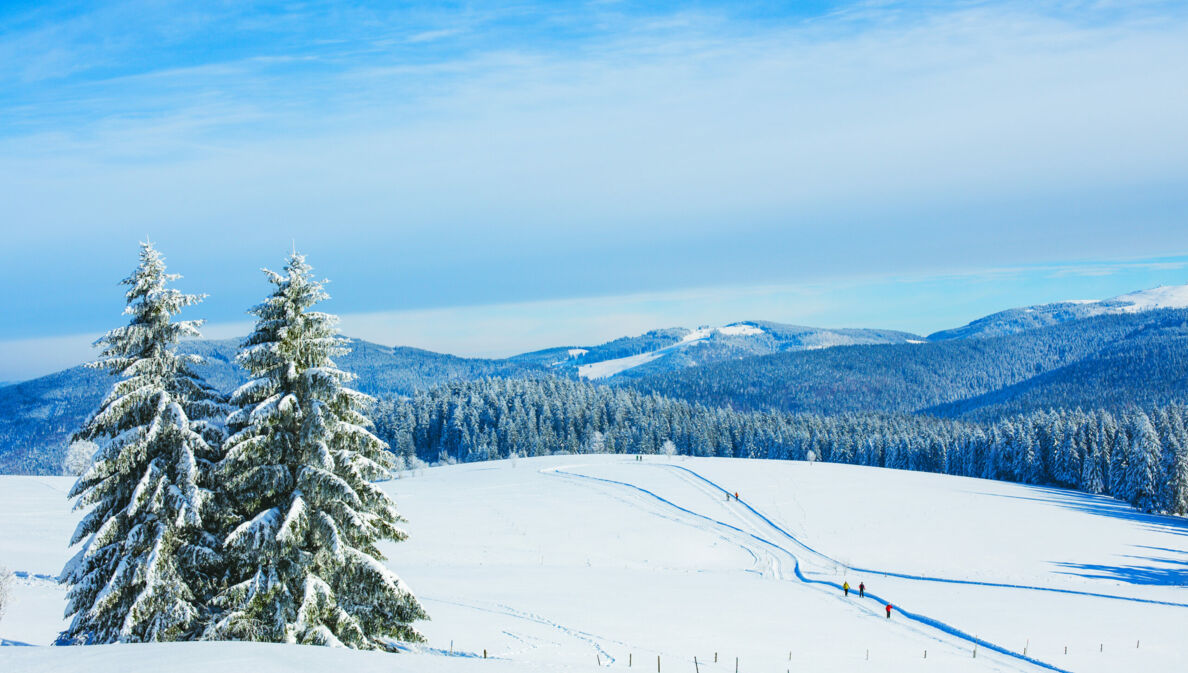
[428, 158]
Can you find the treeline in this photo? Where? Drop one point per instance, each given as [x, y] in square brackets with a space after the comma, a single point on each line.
[1140, 456]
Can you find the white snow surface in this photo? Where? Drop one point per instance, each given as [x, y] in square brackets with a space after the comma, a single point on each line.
[575, 563]
[1166, 296]
[608, 368]
[740, 329]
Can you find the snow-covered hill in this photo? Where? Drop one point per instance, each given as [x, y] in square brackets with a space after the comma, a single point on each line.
[690, 348]
[1016, 320]
[583, 563]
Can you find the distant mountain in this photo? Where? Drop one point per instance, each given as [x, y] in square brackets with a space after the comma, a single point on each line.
[1147, 367]
[37, 417]
[1080, 359]
[1131, 349]
[677, 348]
[1015, 320]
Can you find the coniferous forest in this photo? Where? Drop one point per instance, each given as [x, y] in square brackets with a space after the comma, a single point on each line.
[1136, 455]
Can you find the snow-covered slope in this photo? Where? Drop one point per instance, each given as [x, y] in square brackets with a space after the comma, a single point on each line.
[607, 368]
[581, 563]
[1016, 320]
[688, 348]
[1166, 296]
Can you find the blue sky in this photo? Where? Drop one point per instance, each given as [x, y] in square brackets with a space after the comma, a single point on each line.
[488, 178]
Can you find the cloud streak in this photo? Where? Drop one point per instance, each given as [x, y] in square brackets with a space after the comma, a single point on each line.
[549, 153]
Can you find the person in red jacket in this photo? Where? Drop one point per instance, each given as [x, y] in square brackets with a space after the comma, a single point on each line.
[862, 590]
[888, 611]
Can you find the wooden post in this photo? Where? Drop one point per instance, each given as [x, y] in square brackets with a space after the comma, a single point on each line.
[1101, 647]
[599, 658]
[628, 660]
[715, 657]
[1136, 644]
[484, 653]
[1026, 646]
[736, 665]
[925, 654]
[868, 655]
[696, 668]
[451, 647]
[1066, 649]
[657, 663]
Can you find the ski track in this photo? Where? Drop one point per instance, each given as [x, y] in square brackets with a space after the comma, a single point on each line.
[502, 609]
[913, 616]
[927, 578]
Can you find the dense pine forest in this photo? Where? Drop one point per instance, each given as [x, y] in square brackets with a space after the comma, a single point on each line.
[1137, 455]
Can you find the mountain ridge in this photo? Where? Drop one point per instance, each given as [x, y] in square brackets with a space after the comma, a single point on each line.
[746, 364]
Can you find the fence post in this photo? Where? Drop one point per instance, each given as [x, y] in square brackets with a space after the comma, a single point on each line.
[657, 663]
[484, 653]
[696, 668]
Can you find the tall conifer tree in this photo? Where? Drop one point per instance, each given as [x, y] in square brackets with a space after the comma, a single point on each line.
[299, 464]
[143, 569]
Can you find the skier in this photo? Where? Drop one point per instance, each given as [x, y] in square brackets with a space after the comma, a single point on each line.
[846, 588]
[861, 590]
[888, 611]
[736, 496]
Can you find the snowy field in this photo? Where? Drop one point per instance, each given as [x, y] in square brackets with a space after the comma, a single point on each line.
[579, 562]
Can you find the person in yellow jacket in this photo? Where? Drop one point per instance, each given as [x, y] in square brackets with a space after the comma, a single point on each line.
[846, 588]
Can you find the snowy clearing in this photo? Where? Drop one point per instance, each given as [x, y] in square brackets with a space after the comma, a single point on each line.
[608, 368]
[575, 562]
[1164, 296]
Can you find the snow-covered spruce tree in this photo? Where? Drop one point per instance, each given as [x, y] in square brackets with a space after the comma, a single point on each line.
[144, 565]
[1142, 468]
[298, 467]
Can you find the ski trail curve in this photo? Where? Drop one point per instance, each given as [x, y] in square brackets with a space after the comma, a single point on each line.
[913, 616]
[924, 578]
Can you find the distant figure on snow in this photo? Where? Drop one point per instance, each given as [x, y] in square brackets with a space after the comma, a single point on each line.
[736, 496]
[846, 588]
[888, 611]
[861, 590]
